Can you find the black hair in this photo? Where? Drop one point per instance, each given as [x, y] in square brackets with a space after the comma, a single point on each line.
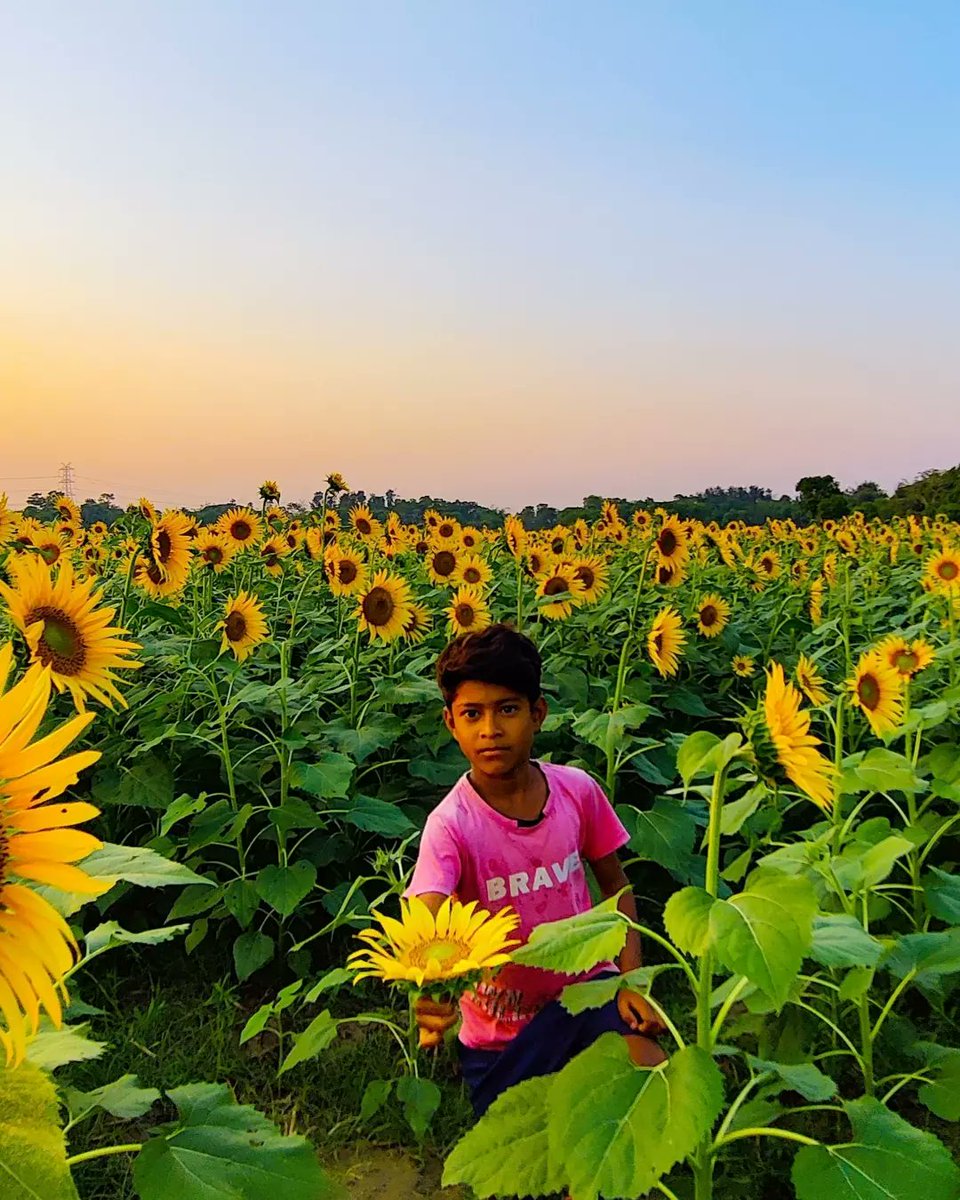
[497, 654]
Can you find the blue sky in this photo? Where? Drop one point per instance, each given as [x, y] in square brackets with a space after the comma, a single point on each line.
[518, 251]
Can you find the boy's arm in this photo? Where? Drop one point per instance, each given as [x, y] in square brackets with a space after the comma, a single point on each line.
[611, 878]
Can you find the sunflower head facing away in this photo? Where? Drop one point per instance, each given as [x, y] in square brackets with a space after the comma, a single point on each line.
[783, 746]
[876, 689]
[67, 631]
[269, 490]
[713, 613]
[244, 625]
[420, 949]
[811, 682]
[336, 482]
[665, 641]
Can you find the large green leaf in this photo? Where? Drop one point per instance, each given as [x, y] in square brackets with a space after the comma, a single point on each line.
[33, 1157]
[662, 834]
[110, 934]
[328, 776]
[577, 943]
[51, 1048]
[317, 1036]
[840, 940]
[251, 951]
[221, 1150]
[284, 887]
[931, 954]
[507, 1149]
[149, 784]
[880, 770]
[695, 755]
[137, 864]
[887, 1159]
[420, 1099]
[618, 1128]
[942, 1094]
[594, 993]
[942, 892]
[377, 816]
[765, 931]
[122, 1098]
[379, 732]
[687, 918]
[804, 1078]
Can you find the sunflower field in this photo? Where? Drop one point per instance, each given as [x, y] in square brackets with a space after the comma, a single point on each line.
[218, 746]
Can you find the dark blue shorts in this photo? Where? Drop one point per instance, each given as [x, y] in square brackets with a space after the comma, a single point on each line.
[551, 1039]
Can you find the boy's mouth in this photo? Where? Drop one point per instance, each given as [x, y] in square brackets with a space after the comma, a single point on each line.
[494, 750]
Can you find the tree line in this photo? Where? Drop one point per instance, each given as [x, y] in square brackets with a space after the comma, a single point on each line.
[816, 498]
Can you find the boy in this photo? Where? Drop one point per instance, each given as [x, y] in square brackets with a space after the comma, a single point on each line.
[517, 832]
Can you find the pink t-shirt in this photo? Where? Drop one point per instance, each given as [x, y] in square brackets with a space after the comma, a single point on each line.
[470, 849]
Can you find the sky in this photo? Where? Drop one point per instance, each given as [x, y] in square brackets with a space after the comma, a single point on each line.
[516, 252]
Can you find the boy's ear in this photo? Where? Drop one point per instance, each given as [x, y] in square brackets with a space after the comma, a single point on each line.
[448, 718]
[539, 711]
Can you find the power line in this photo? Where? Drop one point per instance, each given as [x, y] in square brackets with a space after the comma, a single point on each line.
[66, 480]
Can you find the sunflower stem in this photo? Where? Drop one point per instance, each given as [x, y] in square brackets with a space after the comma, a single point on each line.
[103, 1152]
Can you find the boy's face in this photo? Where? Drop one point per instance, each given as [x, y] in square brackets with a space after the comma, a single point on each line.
[494, 726]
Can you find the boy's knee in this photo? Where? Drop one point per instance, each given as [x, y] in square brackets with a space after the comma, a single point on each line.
[644, 1051]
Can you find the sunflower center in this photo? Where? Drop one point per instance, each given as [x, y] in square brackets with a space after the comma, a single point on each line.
[471, 575]
[868, 691]
[61, 643]
[907, 662]
[214, 555]
[557, 545]
[667, 542]
[708, 616]
[441, 950]
[378, 606]
[555, 586]
[464, 614]
[445, 530]
[49, 553]
[658, 643]
[948, 571]
[586, 576]
[235, 626]
[164, 545]
[241, 531]
[346, 570]
[444, 562]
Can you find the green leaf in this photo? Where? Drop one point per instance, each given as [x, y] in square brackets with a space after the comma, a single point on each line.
[51, 1048]
[877, 862]
[683, 700]
[312, 1041]
[251, 951]
[110, 934]
[942, 893]
[334, 978]
[123, 1098]
[375, 1095]
[440, 772]
[765, 931]
[284, 887]
[149, 784]
[618, 1128]
[695, 755]
[804, 1078]
[420, 1099]
[888, 1159]
[241, 900]
[942, 1094]
[663, 834]
[575, 944]
[256, 1023]
[196, 898]
[377, 816]
[856, 983]
[687, 919]
[33, 1156]
[733, 815]
[379, 733]
[329, 776]
[594, 993]
[880, 770]
[137, 864]
[296, 813]
[840, 940]
[930, 953]
[507, 1149]
[220, 1150]
[183, 806]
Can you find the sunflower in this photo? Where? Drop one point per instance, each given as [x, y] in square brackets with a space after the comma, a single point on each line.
[52, 548]
[767, 565]
[431, 519]
[671, 543]
[68, 633]
[474, 571]
[345, 571]
[943, 569]
[470, 537]
[906, 658]
[816, 601]
[713, 613]
[148, 577]
[515, 535]
[468, 611]
[811, 681]
[384, 607]
[242, 526]
[269, 490]
[8, 522]
[275, 517]
[314, 542]
[442, 564]
[68, 510]
[562, 591]
[38, 842]
[418, 623]
[670, 575]
[362, 522]
[783, 745]
[214, 550]
[538, 561]
[336, 483]
[244, 625]
[876, 690]
[665, 641]
[170, 545]
[271, 552]
[743, 666]
[447, 529]
[146, 509]
[592, 572]
[422, 949]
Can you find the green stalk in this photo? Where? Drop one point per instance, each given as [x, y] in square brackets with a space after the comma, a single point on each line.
[103, 1152]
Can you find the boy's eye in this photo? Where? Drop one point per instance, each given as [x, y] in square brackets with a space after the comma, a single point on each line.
[509, 708]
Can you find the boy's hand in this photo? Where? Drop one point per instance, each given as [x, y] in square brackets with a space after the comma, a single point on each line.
[434, 1018]
[639, 1014]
